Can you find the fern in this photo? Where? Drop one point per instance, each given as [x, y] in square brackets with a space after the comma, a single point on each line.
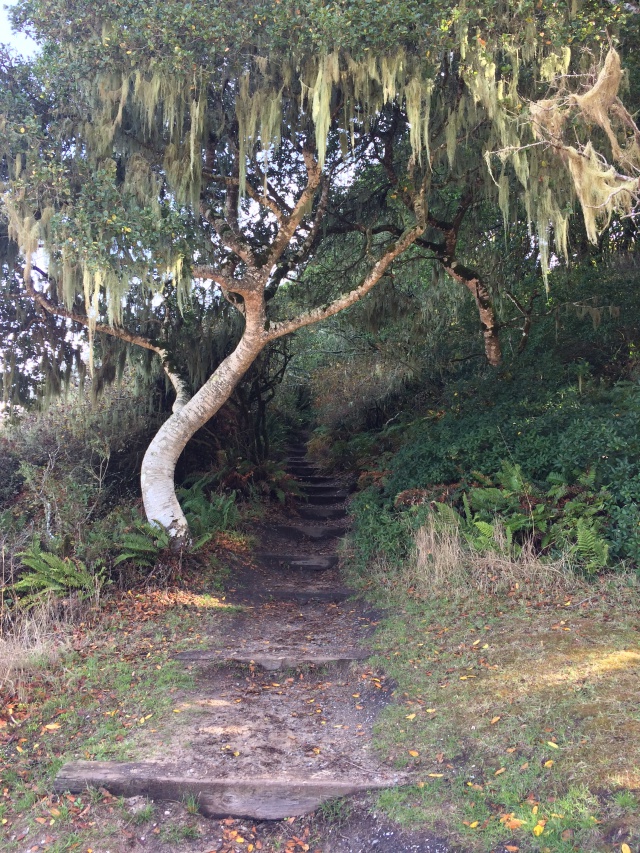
[49, 573]
[144, 546]
[447, 516]
[591, 550]
[207, 515]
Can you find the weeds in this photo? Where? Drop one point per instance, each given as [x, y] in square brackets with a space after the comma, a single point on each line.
[443, 562]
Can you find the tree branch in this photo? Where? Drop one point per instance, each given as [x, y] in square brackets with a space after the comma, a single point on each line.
[291, 223]
[179, 386]
[408, 237]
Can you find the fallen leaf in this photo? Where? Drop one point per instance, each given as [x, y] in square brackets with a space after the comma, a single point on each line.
[513, 823]
[410, 716]
[552, 744]
[624, 848]
[538, 829]
[51, 727]
[524, 766]
[548, 763]
[431, 710]
[511, 848]
[414, 753]
[436, 775]
[494, 720]
[501, 770]
[474, 824]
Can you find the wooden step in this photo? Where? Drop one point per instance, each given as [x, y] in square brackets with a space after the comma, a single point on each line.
[257, 798]
[320, 488]
[325, 513]
[318, 533]
[312, 563]
[292, 660]
[327, 499]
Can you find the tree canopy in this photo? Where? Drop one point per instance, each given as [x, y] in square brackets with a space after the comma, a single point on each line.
[161, 155]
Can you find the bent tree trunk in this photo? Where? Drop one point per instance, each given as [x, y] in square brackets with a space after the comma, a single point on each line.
[159, 463]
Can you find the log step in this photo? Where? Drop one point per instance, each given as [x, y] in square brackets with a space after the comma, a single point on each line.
[274, 662]
[258, 798]
[297, 532]
[326, 499]
[320, 488]
[322, 513]
[320, 563]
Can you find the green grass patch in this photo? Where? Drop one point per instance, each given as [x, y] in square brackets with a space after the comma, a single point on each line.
[517, 718]
[104, 696]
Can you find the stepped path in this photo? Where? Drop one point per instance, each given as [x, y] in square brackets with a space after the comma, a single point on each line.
[280, 719]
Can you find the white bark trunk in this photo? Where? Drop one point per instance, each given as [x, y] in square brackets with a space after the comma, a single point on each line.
[159, 463]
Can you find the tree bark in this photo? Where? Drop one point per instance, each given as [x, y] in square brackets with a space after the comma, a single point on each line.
[159, 463]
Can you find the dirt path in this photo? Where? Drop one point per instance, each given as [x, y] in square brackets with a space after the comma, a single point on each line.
[281, 718]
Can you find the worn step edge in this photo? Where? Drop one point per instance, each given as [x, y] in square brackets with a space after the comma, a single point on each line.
[306, 596]
[322, 513]
[319, 479]
[326, 499]
[274, 662]
[317, 532]
[259, 798]
[312, 563]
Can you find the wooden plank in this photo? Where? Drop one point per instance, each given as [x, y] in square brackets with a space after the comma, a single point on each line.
[274, 662]
[259, 798]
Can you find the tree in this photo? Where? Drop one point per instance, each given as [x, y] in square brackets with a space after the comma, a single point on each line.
[232, 145]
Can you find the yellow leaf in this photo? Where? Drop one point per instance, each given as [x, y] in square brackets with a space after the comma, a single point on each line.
[20, 749]
[436, 775]
[431, 710]
[548, 763]
[534, 810]
[538, 829]
[624, 848]
[524, 766]
[410, 716]
[474, 824]
[552, 744]
[52, 726]
[494, 720]
[501, 770]
[420, 784]
[414, 753]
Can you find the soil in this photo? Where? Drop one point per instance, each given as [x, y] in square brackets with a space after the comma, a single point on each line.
[285, 702]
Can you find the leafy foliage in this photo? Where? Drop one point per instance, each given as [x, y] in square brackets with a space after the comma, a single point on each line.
[47, 573]
[144, 545]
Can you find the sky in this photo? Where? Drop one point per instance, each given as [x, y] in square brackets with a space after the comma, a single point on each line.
[21, 44]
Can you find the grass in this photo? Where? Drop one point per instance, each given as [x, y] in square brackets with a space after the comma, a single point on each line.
[99, 697]
[516, 714]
